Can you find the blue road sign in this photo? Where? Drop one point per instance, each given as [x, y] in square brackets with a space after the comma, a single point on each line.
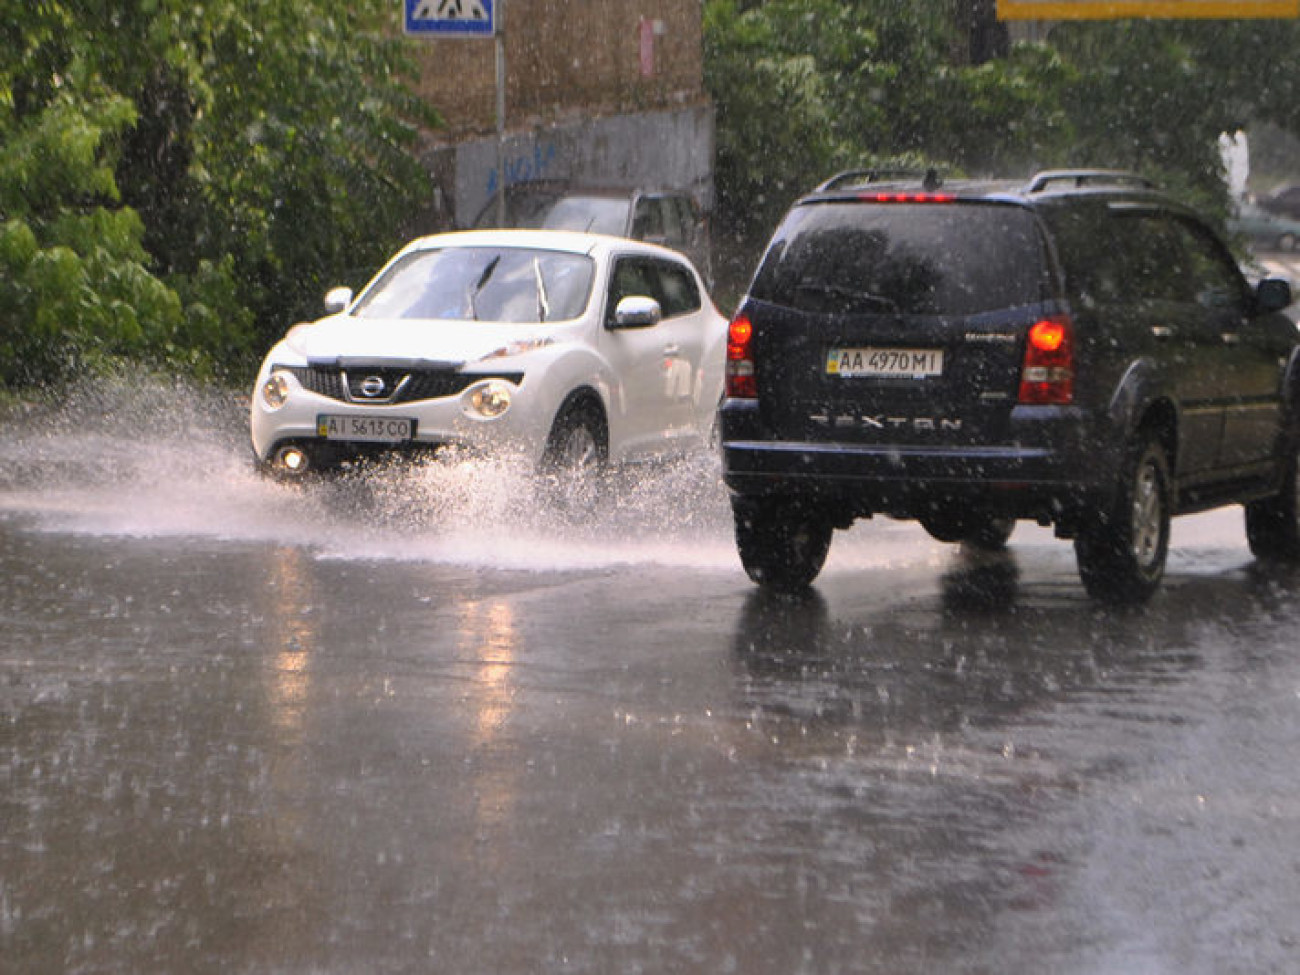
[463, 18]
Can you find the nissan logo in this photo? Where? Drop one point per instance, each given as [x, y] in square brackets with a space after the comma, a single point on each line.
[372, 386]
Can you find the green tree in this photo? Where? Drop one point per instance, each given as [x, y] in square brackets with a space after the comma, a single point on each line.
[755, 78]
[803, 87]
[1155, 95]
[181, 180]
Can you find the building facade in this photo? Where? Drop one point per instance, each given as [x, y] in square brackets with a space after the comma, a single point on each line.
[597, 92]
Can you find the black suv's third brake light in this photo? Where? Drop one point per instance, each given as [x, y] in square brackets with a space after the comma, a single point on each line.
[907, 197]
[1048, 374]
[741, 381]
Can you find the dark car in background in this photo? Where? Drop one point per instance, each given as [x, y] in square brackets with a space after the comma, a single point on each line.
[670, 218]
[1078, 350]
[1284, 201]
[1263, 229]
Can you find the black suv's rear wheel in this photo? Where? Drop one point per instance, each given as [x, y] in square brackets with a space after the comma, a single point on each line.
[782, 545]
[1273, 524]
[1122, 552]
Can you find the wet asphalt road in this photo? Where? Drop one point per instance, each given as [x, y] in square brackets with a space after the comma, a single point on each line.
[418, 725]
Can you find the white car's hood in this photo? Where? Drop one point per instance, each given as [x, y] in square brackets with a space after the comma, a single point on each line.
[345, 337]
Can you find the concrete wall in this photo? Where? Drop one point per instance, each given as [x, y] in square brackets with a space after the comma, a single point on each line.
[651, 150]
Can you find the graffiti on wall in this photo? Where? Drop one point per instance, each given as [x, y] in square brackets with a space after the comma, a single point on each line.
[538, 162]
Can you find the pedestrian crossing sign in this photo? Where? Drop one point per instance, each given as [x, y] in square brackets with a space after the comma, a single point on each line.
[464, 18]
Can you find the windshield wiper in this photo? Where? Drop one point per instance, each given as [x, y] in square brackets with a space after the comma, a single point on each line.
[472, 293]
[853, 294]
[543, 300]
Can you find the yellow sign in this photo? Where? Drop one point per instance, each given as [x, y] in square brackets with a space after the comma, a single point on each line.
[1168, 9]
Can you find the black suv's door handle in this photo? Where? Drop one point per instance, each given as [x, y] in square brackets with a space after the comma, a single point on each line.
[1162, 331]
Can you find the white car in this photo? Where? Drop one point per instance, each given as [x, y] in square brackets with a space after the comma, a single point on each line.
[574, 349]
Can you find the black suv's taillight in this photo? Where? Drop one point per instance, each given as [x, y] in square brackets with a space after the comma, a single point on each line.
[741, 381]
[1047, 377]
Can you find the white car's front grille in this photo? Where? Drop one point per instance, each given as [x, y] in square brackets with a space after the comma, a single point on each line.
[389, 385]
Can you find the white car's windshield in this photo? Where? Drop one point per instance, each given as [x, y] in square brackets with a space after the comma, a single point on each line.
[490, 284]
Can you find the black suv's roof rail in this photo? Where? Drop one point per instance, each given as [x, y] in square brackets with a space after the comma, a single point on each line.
[1079, 178]
[931, 179]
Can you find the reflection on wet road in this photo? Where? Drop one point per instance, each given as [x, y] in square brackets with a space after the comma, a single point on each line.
[415, 724]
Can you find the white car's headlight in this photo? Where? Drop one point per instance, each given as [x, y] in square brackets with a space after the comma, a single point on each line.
[520, 347]
[275, 391]
[489, 400]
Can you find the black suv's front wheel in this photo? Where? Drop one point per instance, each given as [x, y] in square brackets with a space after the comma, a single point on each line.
[1273, 524]
[782, 544]
[1122, 552]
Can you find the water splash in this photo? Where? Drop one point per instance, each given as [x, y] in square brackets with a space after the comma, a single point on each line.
[157, 459]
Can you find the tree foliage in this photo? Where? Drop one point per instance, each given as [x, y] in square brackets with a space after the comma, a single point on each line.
[179, 180]
[883, 80]
[806, 87]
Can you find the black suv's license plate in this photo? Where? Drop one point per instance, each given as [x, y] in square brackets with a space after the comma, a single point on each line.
[370, 429]
[882, 363]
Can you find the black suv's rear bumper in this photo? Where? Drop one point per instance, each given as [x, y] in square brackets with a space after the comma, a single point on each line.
[1052, 466]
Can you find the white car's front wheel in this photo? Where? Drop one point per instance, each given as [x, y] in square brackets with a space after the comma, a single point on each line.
[575, 456]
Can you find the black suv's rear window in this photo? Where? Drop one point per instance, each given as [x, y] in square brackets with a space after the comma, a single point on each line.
[908, 258]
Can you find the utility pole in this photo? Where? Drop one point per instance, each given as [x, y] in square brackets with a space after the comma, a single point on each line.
[501, 110]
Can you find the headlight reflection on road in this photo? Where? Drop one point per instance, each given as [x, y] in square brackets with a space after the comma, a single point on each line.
[295, 637]
[488, 634]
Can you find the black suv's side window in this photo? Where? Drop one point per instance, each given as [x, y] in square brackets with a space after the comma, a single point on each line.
[1155, 262]
[672, 285]
[1087, 244]
[1213, 278]
[1123, 255]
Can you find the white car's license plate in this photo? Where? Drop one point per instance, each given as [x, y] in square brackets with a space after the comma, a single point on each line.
[882, 363]
[373, 429]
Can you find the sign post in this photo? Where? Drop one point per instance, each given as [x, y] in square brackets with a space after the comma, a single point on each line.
[469, 18]
[501, 112]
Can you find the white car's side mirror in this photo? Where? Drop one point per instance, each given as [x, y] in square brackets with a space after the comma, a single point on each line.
[337, 299]
[637, 311]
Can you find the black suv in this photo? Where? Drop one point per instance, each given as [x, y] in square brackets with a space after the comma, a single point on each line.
[1079, 350]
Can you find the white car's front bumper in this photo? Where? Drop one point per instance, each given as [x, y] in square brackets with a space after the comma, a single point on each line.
[448, 420]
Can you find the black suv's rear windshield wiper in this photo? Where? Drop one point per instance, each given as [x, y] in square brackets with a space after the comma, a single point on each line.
[850, 294]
